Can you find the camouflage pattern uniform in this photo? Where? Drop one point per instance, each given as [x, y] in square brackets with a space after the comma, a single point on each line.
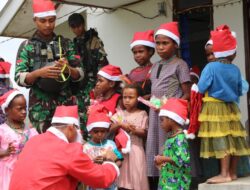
[93, 56]
[42, 103]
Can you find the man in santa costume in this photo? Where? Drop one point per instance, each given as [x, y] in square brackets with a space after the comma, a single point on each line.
[54, 160]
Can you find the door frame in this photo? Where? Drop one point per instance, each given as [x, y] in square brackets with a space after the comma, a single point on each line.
[246, 20]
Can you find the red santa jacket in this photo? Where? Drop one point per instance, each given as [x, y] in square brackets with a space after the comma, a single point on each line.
[48, 162]
[111, 103]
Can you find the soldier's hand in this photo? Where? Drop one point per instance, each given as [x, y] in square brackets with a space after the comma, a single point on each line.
[61, 62]
[50, 72]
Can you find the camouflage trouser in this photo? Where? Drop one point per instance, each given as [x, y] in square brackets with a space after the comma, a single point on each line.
[40, 117]
[83, 101]
[41, 113]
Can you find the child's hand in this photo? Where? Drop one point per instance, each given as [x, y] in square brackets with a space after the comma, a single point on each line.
[10, 150]
[132, 128]
[99, 159]
[125, 127]
[159, 160]
[110, 156]
[147, 97]
[157, 109]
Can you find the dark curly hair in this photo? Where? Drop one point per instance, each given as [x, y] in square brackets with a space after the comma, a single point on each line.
[76, 20]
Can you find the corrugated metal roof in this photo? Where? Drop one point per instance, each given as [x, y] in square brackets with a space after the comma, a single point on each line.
[22, 26]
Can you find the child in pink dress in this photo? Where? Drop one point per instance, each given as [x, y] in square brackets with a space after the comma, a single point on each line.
[135, 122]
[13, 134]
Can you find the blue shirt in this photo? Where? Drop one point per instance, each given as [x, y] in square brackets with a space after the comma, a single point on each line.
[222, 81]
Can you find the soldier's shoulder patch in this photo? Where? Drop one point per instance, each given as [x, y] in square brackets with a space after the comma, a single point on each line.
[77, 57]
[19, 61]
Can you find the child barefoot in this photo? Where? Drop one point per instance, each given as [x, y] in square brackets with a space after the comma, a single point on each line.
[222, 134]
[169, 77]
[13, 134]
[174, 164]
[142, 47]
[98, 146]
[133, 171]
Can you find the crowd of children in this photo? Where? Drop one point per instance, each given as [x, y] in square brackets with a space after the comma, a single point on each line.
[151, 147]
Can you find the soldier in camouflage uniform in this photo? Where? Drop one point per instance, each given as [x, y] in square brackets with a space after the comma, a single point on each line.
[39, 66]
[93, 56]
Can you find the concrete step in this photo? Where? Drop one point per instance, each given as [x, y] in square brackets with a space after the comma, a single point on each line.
[242, 183]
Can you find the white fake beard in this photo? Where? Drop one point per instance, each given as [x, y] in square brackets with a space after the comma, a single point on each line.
[79, 138]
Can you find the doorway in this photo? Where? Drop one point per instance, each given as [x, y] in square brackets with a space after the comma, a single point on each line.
[195, 19]
[246, 16]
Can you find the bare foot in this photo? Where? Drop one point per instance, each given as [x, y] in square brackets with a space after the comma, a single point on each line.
[219, 179]
[233, 176]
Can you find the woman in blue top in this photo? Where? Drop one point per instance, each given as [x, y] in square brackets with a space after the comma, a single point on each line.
[221, 132]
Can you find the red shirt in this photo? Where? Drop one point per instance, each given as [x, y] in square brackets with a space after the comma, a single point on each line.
[111, 103]
[50, 163]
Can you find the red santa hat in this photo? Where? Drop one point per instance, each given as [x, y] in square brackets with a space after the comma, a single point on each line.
[195, 71]
[224, 43]
[225, 27]
[6, 98]
[221, 28]
[110, 72]
[5, 69]
[176, 109]
[98, 117]
[170, 30]
[122, 141]
[143, 38]
[195, 108]
[66, 115]
[43, 8]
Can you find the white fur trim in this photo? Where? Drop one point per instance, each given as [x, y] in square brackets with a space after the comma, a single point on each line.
[189, 135]
[168, 34]
[79, 138]
[45, 14]
[127, 149]
[195, 88]
[219, 54]
[4, 75]
[187, 122]
[98, 124]
[58, 133]
[234, 34]
[173, 116]
[142, 42]
[65, 120]
[209, 42]
[194, 74]
[109, 77]
[115, 166]
[9, 99]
